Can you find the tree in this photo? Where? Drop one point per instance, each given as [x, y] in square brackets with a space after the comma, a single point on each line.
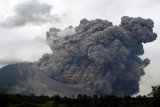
[156, 91]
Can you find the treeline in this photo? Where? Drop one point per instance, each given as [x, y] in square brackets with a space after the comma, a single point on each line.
[79, 101]
[153, 100]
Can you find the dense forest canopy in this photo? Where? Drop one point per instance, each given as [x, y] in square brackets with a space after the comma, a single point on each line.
[152, 100]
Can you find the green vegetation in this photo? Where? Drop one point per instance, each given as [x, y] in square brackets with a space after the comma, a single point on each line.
[82, 100]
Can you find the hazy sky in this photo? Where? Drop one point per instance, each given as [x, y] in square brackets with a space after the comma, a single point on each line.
[24, 23]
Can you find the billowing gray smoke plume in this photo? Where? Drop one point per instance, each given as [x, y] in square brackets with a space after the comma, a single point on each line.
[97, 56]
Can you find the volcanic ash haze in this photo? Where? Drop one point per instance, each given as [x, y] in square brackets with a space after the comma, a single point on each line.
[95, 57]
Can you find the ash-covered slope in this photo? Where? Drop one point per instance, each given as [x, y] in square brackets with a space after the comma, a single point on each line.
[94, 57]
[27, 78]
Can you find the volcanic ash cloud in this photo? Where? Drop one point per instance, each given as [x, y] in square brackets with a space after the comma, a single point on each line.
[99, 56]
